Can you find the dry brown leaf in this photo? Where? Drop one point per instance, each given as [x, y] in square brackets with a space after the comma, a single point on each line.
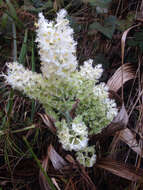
[57, 161]
[49, 122]
[120, 122]
[115, 82]
[55, 183]
[129, 138]
[125, 134]
[74, 107]
[120, 169]
[122, 117]
[70, 159]
[126, 71]
[123, 40]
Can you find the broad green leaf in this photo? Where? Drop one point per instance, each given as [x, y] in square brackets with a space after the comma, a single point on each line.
[33, 8]
[1, 2]
[126, 23]
[136, 41]
[4, 20]
[101, 59]
[37, 3]
[100, 3]
[107, 28]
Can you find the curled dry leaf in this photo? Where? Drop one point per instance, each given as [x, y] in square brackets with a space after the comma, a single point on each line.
[126, 71]
[122, 117]
[115, 82]
[57, 161]
[118, 124]
[128, 172]
[126, 135]
[129, 138]
[123, 40]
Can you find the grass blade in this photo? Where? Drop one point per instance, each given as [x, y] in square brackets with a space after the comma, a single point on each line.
[39, 164]
[23, 49]
[14, 42]
[33, 69]
[12, 14]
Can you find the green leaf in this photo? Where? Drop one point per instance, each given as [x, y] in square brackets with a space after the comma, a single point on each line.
[1, 2]
[39, 165]
[34, 8]
[136, 41]
[12, 14]
[14, 41]
[76, 26]
[37, 3]
[101, 59]
[107, 28]
[33, 69]
[23, 49]
[100, 3]
[4, 20]
[9, 105]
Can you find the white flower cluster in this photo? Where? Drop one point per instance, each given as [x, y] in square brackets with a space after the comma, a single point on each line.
[86, 157]
[60, 85]
[57, 47]
[88, 72]
[74, 136]
[101, 91]
[31, 83]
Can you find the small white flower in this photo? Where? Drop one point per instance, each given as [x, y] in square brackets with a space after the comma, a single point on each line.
[88, 72]
[77, 143]
[79, 127]
[72, 138]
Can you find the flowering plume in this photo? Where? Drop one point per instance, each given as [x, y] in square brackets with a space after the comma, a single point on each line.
[57, 46]
[60, 85]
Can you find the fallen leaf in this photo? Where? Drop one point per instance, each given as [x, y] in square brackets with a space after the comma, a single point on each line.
[116, 81]
[55, 183]
[57, 161]
[128, 137]
[122, 117]
[49, 122]
[123, 170]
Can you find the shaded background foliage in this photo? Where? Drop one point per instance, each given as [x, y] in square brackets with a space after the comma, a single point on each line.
[99, 26]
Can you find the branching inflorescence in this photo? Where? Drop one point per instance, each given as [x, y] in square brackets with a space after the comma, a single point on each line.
[61, 84]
